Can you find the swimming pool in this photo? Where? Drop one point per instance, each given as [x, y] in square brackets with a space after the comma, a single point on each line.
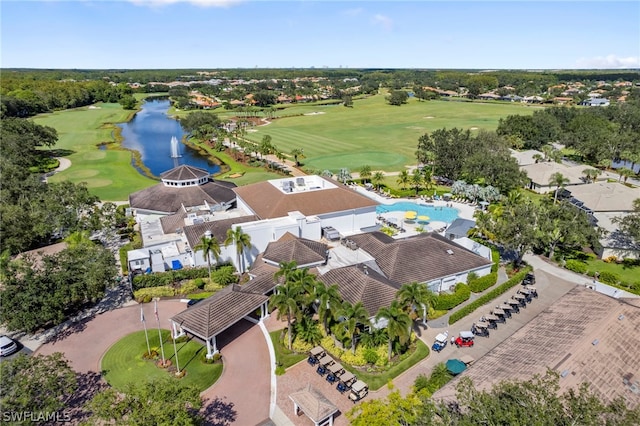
[442, 214]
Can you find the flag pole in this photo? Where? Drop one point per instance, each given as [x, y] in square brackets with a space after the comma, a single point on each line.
[175, 350]
[155, 311]
[146, 335]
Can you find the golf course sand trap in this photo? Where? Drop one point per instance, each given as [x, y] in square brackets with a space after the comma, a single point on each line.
[473, 128]
[315, 113]
[430, 117]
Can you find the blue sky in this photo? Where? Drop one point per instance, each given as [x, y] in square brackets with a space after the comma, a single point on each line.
[301, 34]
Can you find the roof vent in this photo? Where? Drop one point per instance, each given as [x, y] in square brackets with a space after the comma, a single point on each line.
[449, 251]
[365, 268]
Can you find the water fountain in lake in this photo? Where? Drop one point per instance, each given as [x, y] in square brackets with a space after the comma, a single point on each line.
[175, 151]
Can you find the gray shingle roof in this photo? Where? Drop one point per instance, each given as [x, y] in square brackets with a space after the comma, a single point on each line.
[315, 405]
[301, 250]
[219, 312]
[184, 172]
[357, 284]
[262, 284]
[166, 199]
[269, 202]
[421, 258]
[218, 229]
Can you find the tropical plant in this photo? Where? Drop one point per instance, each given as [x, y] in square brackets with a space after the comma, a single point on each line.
[403, 179]
[344, 175]
[398, 324]
[285, 270]
[365, 172]
[625, 173]
[416, 298]
[241, 240]
[298, 154]
[352, 316]
[559, 181]
[209, 246]
[377, 178]
[287, 299]
[417, 179]
[328, 300]
[307, 330]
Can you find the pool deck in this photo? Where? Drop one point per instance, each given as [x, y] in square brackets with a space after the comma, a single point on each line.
[465, 211]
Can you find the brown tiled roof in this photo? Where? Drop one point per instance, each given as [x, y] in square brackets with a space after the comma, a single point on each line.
[269, 202]
[357, 284]
[313, 404]
[168, 199]
[219, 312]
[218, 229]
[421, 258]
[260, 267]
[184, 173]
[262, 284]
[172, 222]
[290, 248]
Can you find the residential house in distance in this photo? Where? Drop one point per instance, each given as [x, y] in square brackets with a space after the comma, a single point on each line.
[595, 102]
[527, 157]
[540, 173]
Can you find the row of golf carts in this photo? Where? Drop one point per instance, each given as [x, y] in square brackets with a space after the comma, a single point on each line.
[511, 306]
[464, 339]
[333, 372]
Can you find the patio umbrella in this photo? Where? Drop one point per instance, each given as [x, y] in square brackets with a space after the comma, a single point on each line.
[423, 218]
[410, 215]
[455, 366]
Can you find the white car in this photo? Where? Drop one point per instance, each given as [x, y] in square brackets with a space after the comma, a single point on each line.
[7, 346]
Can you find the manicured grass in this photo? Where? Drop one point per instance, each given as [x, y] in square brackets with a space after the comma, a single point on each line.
[123, 363]
[202, 295]
[107, 173]
[284, 357]
[375, 133]
[377, 380]
[626, 274]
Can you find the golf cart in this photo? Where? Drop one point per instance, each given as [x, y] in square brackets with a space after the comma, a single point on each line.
[527, 294]
[492, 320]
[529, 279]
[465, 339]
[499, 313]
[441, 342]
[480, 329]
[521, 298]
[347, 379]
[533, 290]
[506, 308]
[358, 391]
[515, 305]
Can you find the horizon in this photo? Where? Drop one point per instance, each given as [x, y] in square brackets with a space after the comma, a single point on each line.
[236, 34]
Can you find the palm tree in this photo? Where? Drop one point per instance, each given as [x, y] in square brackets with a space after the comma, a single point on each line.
[285, 271]
[365, 172]
[538, 157]
[209, 246]
[328, 299]
[403, 179]
[625, 173]
[398, 323]
[417, 179]
[414, 296]
[298, 154]
[377, 178]
[307, 283]
[78, 239]
[559, 181]
[286, 299]
[241, 240]
[352, 316]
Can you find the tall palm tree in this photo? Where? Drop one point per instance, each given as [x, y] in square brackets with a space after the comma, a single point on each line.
[286, 299]
[241, 240]
[307, 282]
[78, 239]
[625, 173]
[298, 154]
[209, 246]
[352, 316]
[285, 271]
[417, 179]
[398, 323]
[328, 299]
[365, 172]
[403, 179]
[559, 181]
[377, 178]
[414, 296]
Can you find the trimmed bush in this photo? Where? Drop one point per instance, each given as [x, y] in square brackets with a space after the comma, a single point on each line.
[576, 266]
[609, 277]
[224, 275]
[145, 295]
[446, 301]
[158, 279]
[486, 298]
[483, 283]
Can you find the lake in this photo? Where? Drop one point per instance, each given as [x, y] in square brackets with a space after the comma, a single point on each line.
[150, 132]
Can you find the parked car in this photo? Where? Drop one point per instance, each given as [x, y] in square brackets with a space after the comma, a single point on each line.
[465, 339]
[192, 302]
[441, 342]
[529, 279]
[7, 346]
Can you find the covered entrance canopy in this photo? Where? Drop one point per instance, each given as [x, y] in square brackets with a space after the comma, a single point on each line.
[212, 316]
[314, 405]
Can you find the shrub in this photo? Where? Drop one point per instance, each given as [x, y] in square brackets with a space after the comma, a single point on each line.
[145, 295]
[609, 277]
[471, 276]
[300, 346]
[188, 287]
[483, 283]
[213, 287]
[224, 275]
[158, 279]
[576, 266]
[611, 259]
[199, 282]
[448, 301]
[502, 288]
[280, 370]
[370, 356]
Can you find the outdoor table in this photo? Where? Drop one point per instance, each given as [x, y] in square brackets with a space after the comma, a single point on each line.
[326, 360]
[347, 377]
[336, 368]
[317, 351]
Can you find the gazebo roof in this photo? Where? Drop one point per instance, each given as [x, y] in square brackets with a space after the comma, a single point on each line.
[315, 405]
[219, 312]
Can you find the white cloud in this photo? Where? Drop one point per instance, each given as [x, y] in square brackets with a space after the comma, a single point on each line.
[383, 21]
[202, 3]
[609, 61]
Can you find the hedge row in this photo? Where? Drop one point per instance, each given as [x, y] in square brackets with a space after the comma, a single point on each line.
[495, 258]
[446, 301]
[484, 299]
[483, 283]
[158, 279]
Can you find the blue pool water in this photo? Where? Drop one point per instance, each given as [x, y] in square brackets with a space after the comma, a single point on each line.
[441, 214]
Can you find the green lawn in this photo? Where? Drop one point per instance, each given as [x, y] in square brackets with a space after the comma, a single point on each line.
[630, 275]
[373, 132]
[107, 173]
[123, 362]
[284, 357]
